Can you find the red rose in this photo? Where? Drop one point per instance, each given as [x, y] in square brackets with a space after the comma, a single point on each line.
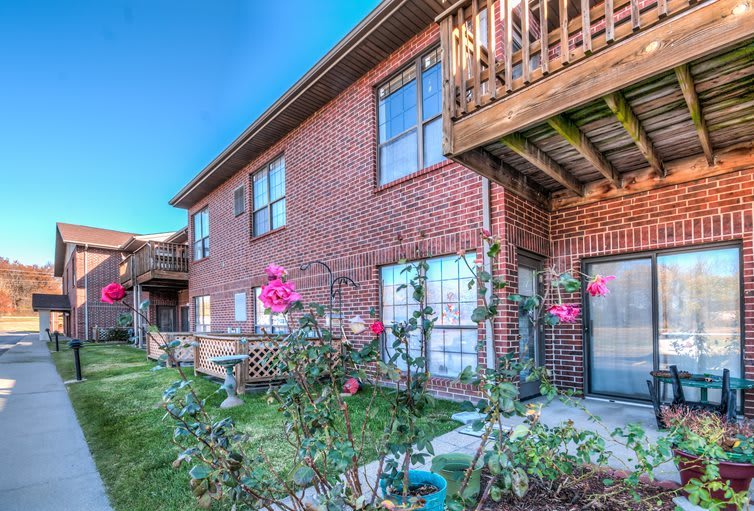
[377, 327]
[112, 293]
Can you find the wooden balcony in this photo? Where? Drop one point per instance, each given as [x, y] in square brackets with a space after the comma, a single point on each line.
[568, 101]
[156, 264]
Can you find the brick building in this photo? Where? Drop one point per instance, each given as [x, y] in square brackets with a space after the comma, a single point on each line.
[89, 258]
[397, 145]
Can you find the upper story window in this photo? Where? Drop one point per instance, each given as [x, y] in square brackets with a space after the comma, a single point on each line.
[269, 197]
[239, 200]
[451, 293]
[201, 234]
[410, 120]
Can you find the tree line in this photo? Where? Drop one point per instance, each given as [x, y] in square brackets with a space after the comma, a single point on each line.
[18, 281]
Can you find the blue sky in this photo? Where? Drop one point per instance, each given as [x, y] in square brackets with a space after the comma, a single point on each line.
[108, 107]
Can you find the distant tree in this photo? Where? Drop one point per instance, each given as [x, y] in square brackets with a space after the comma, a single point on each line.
[19, 281]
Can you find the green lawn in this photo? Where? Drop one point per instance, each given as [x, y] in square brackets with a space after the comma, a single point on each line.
[119, 410]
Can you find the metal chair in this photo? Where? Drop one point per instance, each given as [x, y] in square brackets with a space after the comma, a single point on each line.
[727, 406]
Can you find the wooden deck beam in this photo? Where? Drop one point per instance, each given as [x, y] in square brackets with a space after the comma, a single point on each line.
[622, 110]
[585, 147]
[705, 28]
[503, 174]
[542, 161]
[732, 159]
[683, 73]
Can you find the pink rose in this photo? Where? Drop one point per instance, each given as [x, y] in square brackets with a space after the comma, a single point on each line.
[112, 293]
[598, 285]
[565, 313]
[486, 233]
[377, 327]
[278, 295]
[275, 272]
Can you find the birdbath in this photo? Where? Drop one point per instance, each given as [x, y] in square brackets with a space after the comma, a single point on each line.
[228, 362]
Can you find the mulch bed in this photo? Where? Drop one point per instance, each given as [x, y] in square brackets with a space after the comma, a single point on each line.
[577, 498]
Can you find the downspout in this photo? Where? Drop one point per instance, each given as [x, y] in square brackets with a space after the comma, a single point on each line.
[86, 291]
[489, 333]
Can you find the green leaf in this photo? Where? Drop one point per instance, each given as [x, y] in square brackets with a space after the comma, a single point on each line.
[303, 476]
[519, 432]
[515, 298]
[479, 314]
[200, 472]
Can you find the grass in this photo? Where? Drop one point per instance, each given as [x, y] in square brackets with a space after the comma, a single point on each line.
[19, 323]
[118, 409]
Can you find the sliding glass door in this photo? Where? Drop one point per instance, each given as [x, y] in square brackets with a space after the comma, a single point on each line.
[699, 304]
[674, 307]
[621, 352]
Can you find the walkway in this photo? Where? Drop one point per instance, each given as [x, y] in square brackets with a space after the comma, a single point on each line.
[46, 464]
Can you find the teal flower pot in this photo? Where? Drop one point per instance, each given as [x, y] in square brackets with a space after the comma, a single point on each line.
[433, 502]
[452, 467]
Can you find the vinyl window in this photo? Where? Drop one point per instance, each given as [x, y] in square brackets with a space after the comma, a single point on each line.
[453, 343]
[201, 234]
[268, 186]
[239, 200]
[202, 315]
[410, 119]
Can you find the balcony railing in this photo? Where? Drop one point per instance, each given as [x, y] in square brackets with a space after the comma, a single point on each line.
[159, 258]
[495, 48]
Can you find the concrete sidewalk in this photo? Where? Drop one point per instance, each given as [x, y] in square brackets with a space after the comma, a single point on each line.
[45, 463]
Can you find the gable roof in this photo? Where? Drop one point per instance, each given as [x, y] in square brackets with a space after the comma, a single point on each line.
[85, 235]
[56, 303]
[391, 24]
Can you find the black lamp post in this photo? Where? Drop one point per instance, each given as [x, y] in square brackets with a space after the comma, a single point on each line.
[57, 342]
[75, 345]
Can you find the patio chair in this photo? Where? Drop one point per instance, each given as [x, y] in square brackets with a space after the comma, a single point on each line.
[727, 406]
[655, 397]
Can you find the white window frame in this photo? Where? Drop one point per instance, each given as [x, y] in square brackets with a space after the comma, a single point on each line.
[420, 121]
[268, 205]
[387, 349]
[202, 304]
[203, 217]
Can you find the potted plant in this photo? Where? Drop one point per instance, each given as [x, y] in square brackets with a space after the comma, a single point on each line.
[715, 457]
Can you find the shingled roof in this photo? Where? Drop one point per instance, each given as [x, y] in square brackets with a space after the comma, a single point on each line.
[56, 303]
[86, 236]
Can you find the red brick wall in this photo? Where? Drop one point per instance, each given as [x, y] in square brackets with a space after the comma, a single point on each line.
[712, 210]
[98, 270]
[336, 212]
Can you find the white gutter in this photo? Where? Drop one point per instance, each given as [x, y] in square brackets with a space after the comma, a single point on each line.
[489, 333]
[86, 292]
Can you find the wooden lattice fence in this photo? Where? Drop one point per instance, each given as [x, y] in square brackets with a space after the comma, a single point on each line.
[260, 369]
[184, 354]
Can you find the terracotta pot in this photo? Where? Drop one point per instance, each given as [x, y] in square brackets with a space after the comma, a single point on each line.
[738, 475]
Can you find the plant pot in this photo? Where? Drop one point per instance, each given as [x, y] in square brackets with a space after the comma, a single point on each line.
[738, 475]
[434, 501]
[452, 467]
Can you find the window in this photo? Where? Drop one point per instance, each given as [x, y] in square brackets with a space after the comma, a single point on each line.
[239, 200]
[202, 316]
[239, 301]
[272, 322]
[269, 197]
[453, 344]
[665, 308]
[201, 234]
[409, 119]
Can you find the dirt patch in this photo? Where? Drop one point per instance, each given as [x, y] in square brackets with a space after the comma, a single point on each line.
[544, 496]
[19, 324]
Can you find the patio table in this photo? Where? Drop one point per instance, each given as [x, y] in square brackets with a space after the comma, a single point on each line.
[699, 381]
